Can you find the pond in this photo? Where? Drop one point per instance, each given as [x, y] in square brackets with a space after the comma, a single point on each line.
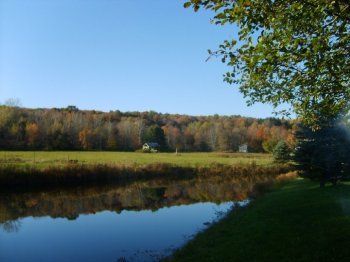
[142, 221]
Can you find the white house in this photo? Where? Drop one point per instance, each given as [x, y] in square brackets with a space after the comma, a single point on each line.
[150, 147]
[243, 148]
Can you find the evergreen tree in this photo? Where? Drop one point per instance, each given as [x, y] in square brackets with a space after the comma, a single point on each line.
[155, 134]
[281, 152]
[323, 154]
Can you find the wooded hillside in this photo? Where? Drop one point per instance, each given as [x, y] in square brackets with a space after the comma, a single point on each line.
[73, 129]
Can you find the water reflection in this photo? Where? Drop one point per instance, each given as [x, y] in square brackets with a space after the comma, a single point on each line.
[139, 222]
[108, 236]
[11, 226]
[150, 195]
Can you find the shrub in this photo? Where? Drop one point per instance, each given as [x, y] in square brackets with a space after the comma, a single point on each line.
[281, 152]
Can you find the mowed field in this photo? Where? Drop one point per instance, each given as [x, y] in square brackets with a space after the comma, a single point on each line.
[42, 159]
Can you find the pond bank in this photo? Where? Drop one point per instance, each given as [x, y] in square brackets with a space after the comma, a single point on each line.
[295, 221]
[30, 177]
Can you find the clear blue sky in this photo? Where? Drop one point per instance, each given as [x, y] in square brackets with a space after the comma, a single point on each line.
[134, 55]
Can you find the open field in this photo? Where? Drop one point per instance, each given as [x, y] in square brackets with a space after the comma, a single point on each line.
[298, 221]
[43, 159]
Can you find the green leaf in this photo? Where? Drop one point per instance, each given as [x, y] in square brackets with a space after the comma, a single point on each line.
[187, 4]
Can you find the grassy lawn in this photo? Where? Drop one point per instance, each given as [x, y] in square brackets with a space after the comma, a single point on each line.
[296, 221]
[45, 159]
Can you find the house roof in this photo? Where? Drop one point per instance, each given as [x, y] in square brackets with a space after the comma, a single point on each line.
[152, 144]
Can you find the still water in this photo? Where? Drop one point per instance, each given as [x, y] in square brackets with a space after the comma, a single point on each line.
[138, 222]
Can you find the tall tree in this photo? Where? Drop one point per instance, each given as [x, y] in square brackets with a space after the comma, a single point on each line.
[324, 154]
[295, 52]
[33, 135]
[155, 134]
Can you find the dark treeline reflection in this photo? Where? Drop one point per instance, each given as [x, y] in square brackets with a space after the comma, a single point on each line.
[150, 195]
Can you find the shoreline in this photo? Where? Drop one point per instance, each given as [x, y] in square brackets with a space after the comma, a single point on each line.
[294, 221]
[13, 177]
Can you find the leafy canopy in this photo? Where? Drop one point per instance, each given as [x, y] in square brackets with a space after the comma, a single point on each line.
[295, 52]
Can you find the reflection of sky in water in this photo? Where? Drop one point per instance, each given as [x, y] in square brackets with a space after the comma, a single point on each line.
[107, 236]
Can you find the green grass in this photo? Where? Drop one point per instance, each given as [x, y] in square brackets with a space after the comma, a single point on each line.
[297, 221]
[43, 159]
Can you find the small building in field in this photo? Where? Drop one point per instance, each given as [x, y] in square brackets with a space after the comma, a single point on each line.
[150, 147]
[243, 148]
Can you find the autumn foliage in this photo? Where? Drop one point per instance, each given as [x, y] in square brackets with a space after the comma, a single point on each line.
[73, 129]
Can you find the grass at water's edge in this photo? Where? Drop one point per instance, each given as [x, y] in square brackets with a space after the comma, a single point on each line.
[295, 221]
[25, 170]
[29, 177]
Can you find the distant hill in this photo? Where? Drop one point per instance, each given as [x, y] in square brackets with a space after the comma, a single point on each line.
[73, 129]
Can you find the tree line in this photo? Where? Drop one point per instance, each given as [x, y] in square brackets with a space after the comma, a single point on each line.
[73, 129]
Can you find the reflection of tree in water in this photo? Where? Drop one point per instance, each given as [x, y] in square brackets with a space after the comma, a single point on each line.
[11, 226]
[145, 195]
